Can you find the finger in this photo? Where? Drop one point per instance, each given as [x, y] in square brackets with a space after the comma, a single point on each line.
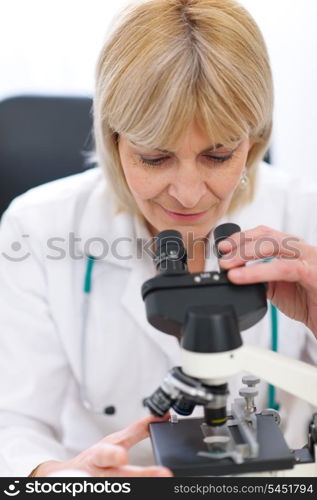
[257, 244]
[136, 471]
[253, 234]
[278, 270]
[134, 433]
[108, 455]
[262, 249]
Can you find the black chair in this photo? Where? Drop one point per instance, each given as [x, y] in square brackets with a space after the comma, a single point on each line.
[42, 138]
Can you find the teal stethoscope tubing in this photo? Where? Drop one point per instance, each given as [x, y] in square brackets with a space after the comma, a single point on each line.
[272, 403]
[83, 365]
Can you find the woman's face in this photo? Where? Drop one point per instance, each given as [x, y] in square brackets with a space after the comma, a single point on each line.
[188, 189]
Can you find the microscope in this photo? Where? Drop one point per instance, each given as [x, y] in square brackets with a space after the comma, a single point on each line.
[206, 313]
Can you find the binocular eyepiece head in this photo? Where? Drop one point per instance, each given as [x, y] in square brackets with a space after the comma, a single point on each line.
[171, 257]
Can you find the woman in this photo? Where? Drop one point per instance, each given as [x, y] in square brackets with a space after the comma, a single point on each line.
[182, 118]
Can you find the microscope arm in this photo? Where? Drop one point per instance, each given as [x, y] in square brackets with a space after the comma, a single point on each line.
[293, 376]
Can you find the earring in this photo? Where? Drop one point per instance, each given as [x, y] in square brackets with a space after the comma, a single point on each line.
[244, 180]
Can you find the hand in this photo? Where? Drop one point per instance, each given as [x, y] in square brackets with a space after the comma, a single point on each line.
[109, 458]
[291, 276]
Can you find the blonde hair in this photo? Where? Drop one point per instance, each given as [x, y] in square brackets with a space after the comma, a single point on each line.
[167, 62]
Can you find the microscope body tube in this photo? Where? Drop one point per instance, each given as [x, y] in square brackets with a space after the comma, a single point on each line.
[293, 376]
[212, 368]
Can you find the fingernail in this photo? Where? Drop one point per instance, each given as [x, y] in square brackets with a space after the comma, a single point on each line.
[225, 245]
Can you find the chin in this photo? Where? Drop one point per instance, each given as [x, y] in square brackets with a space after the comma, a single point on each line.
[189, 231]
[194, 233]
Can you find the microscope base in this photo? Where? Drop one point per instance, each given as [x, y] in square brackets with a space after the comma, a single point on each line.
[176, 446]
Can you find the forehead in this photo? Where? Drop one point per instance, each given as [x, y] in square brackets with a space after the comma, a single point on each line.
[192, 138]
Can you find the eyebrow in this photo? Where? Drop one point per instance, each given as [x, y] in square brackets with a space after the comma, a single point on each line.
[213, 147]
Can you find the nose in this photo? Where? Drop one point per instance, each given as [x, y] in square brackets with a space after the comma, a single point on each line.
[188, 188]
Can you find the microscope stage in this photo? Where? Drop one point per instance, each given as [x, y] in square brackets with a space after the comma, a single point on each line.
[176, 446]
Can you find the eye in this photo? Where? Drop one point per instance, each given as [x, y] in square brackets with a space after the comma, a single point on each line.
[218, 158]
[160, 160]
[154, 162]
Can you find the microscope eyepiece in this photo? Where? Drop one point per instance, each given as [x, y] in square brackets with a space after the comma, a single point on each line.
[222, 232]
[170, 255]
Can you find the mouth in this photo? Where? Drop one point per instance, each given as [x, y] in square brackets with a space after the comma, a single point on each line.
[184, 217]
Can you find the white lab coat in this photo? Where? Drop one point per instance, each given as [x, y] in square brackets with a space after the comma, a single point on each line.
[41, 297]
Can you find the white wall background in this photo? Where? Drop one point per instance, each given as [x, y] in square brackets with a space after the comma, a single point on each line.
[51, 46]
